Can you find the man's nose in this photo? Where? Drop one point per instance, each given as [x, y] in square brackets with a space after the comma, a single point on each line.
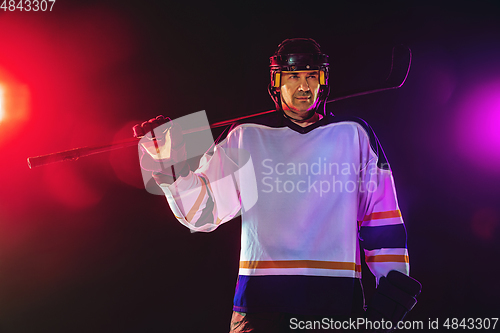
[304, 86]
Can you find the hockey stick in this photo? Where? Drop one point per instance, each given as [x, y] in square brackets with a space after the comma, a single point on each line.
[400, 67]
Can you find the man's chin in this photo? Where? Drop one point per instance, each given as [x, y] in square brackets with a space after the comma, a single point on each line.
[305, 114]
[303, 108]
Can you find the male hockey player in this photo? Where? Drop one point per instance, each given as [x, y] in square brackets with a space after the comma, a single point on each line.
[323, 187]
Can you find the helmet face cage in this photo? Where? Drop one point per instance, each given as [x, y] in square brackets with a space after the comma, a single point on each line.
[310, 59]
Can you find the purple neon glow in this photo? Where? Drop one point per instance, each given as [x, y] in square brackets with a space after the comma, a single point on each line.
[478, 126]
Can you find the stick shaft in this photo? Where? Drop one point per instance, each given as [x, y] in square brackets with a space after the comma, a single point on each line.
[74, 154]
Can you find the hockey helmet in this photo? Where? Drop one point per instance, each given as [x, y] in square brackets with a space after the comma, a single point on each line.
[298, 54]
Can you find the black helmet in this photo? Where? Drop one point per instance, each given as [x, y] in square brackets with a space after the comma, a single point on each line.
[299, 54]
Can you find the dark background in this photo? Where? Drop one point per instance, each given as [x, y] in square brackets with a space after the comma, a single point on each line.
[84, 248]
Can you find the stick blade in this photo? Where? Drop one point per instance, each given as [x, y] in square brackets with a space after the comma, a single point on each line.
[400, 67]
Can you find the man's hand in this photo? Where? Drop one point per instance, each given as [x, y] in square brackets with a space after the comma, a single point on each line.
[166, 144]
[162, 144]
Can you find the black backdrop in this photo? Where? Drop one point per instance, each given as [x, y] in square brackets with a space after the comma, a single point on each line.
[84, 249]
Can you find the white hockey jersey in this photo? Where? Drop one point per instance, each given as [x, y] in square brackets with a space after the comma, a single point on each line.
[308, 198]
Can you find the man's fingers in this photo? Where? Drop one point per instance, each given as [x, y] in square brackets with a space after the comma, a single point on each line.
[167, 134]
[146, 128]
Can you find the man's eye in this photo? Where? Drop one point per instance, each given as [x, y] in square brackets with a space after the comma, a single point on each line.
[312, 76]
[293, 76]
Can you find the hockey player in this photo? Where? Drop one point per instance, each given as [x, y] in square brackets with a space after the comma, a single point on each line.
[323, 192]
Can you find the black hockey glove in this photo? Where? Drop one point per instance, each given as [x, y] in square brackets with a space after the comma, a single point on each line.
[394, 298]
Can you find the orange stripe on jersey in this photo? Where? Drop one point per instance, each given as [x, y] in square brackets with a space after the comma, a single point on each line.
[301, 264]
[388, 258]
[382, 215]
[204, 179]
[197, 203]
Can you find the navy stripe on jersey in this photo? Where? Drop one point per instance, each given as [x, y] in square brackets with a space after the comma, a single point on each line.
[387, 236]
[297, 294]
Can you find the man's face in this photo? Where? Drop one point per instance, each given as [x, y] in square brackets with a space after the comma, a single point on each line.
[299, 91]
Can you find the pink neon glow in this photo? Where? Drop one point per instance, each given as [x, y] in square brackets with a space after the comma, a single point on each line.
[124, 161]
[478, 126]
[14, 105]
[70, 187]
[2, 108]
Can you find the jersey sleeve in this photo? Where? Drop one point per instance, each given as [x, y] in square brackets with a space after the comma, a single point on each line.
[382, 232]
[209, 196]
